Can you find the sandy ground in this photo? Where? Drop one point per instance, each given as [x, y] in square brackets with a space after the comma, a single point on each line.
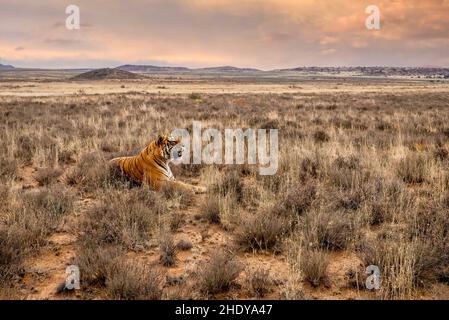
[164, 86]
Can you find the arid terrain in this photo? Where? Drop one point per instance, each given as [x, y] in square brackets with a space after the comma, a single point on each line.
[363, 180]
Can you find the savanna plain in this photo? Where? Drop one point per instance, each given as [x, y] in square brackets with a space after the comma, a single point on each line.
[363, 179]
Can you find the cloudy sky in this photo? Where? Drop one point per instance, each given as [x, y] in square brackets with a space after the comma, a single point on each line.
[264, 34]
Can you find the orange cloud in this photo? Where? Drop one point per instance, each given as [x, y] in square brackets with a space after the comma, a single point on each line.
[263, 33]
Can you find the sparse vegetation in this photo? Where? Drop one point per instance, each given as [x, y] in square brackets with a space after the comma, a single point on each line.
[219, 273]
[313, 265]
[168, 251]
[259, 282]
[362, 179]
[262, 231]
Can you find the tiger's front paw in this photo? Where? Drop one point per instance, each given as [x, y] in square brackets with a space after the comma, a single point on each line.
[200, 190]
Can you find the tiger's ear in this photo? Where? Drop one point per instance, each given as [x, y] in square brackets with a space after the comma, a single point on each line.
[160, 140]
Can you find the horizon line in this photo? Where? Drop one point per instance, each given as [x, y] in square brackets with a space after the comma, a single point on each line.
[221, 66]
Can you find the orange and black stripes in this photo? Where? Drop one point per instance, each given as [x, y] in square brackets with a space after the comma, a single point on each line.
[150, 166]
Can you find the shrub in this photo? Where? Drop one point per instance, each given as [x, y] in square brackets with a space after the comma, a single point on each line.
[26, 147]
[230, 183]
[395, 258]
[218, 274]
[259, 282]
[127, 219]
[184, 245]
[320, 136]
[313, 266]
[96, 262]
[91, 173]
[26, 225]
[413, 169]
[298, 200]
[194, 96]
[131, 281]
[441, 154]
[430, 233]
[262, 231]
[48, 206]
[210, 210]
[176, 221]
[171, 192]
[329, 230]
[8, 169]
[47, 176]
[168, 251]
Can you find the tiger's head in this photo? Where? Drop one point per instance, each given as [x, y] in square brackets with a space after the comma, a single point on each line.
[170, 148]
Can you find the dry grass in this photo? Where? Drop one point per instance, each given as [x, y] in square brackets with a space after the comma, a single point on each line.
[168, 251]
[259, 282]
[27, 220]
[313, 266]
[262, 231]
[365, 173]
[127, 219]
[218, 274]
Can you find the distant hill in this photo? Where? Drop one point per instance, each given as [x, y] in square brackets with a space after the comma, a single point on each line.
[6, 67]
[151, 69]
[423, 72]
[106, 74]
[156, 69]
[226, 69]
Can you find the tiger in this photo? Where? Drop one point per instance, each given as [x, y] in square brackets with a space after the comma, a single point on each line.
[150, 166]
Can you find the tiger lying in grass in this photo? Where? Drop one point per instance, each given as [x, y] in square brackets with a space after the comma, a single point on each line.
[150, 166]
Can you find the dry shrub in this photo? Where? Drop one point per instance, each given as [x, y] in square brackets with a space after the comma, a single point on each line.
[11, 255]
[387, 199]
[441, 154]
[46, 176]
[182, 197]
[313, 265]
[413, 169]
[396, 259]
[262, 231]
[218, 274]
[350, 200]
[128, 219]
[26, 225]
[194, 96]
[210, 210]
[430, 231]
[4, 197]
[8, 169]
[310, 167]
[176, 221]
[131, 281]
[346, 173]
[95, 262]
[168, 251]
[328, 229]
[297, 200]
[230, 183]
[259, 282]
[92, 173]
[184, 245]
[26, 147]
[320, 136]
[107, 267]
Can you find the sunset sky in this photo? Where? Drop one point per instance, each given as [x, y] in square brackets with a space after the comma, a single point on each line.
[265, 34]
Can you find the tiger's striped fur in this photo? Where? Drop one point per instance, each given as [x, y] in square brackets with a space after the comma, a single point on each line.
[151, 167]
